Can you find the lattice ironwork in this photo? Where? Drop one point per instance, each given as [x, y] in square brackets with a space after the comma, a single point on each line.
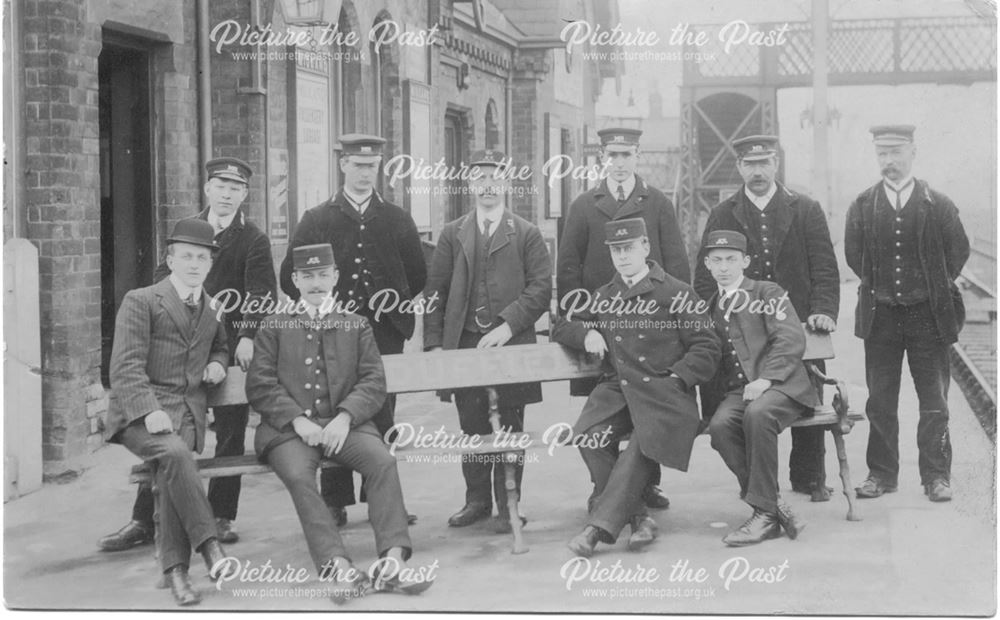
[861, 47]
[961, 45]
[893, 51]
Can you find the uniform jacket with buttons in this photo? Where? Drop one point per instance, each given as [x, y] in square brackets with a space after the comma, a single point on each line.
[383, 241]
[244, 264]
[803, 260]
[279, 383]
[518, 281]
[942, 246]
[766, 345]
[643, 349]
[158, 358]
[584, 260]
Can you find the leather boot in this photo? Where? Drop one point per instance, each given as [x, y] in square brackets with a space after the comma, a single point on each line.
[644, 531]
[134, 534]
[792, 524]
[180, 586]
[583, 543]
[213, 554]
[759, 527]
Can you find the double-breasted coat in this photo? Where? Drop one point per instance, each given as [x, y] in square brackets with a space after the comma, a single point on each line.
[158, 357]
[377, 250]
[803, 261]
[942, 246]
[519, 282]
[768, 345]
[282, 368]
[644, 346]
[243, 264]
[585, 262]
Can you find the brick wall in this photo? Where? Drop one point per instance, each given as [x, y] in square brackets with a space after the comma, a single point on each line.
[61, 45]
[61, 191]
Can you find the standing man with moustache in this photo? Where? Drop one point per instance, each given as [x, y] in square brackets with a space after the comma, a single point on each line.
[244, 266]
[788, 242]
[907, 244]
[584, 261]
[377, 248]
[492, 273]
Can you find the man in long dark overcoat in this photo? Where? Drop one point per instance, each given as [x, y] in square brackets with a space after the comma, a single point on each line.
[584, 261]
[657, 347]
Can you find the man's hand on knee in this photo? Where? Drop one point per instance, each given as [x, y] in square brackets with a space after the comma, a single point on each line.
[335, 433]
[310, 432]
[158, 422]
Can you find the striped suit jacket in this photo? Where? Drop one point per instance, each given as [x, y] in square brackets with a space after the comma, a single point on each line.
[158, 358]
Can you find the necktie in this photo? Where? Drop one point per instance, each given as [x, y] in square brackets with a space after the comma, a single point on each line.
[191, 303]
[621, 193]
[486, 228]
[899, 194]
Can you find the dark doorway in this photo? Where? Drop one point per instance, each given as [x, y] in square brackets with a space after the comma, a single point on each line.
[127, 240]
[454, 155]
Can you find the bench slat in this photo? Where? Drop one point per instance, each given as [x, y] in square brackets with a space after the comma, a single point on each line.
[459, 368]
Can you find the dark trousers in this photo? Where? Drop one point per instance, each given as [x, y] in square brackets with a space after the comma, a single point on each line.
[474, 419]
[909, 329]
[223, 493]
[337, 485]
[619, 477]
[295, 463]
[745, 434]
[184, 517]
[807, 462]
[583, 387]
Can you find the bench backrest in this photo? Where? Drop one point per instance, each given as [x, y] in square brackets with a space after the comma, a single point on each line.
[461, 368]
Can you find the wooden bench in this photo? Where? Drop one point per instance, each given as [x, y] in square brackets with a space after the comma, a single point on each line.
[448, 370]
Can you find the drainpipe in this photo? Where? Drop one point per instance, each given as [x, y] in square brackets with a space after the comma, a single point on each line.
[204, 86]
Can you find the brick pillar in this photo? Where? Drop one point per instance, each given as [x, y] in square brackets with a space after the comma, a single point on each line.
[62, 185]
[239, 116]
[527, 132]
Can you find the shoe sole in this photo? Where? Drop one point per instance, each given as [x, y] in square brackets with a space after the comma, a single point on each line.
[138, 543]
[858, 494]
[637, 545]
[793, 531]
[583, 552]
[753, 542]
[467, 523]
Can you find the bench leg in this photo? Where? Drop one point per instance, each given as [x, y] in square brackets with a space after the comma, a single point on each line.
[845, 473]
[510, 483]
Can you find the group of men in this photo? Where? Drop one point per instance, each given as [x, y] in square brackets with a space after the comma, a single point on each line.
[315, 376]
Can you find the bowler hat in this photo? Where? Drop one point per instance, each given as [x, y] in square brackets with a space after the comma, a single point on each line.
[194, 231]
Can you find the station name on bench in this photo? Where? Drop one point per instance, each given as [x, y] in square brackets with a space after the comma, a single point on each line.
[556, 436]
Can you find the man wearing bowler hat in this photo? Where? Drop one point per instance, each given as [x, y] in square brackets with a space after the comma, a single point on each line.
[492, 273]
[584, 261]
[168, 347]
[764, 384]
[907, 244]
[377, 248]
[788, 242]
[656, 349]
[242, 267]
[317, 380]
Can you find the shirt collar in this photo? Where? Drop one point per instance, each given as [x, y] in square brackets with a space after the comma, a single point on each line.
[183, 290]
[637, 278]
[905, 189]
[313, 311]
[761, 201]
[495, 216]
[220, 223]
[726, 291]
[627, 186]
[359, 201]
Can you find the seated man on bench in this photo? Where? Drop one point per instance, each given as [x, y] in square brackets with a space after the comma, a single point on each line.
[317, 379]
[761, 384]
[656, 348]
